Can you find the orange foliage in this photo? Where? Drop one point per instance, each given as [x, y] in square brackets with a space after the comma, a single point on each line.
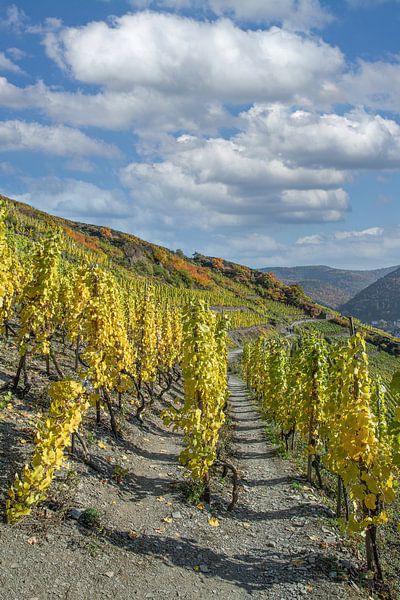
[218, 263]
[80, 238]
[106, 231]
[198, 274]
[168, 259]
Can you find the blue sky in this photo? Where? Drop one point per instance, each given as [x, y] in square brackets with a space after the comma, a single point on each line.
[264, 132]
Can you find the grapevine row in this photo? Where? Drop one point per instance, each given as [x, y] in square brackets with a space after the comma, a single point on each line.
[324, 396]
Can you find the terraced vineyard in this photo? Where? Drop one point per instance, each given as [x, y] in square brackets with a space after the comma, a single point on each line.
[93, 350]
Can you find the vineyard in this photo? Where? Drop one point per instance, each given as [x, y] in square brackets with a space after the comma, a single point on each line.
[106, 339]
[322, 396]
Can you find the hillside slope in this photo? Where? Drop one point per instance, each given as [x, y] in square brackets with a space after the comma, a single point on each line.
[381, 300]
[251, 296]
[220, 282]
[329, 286]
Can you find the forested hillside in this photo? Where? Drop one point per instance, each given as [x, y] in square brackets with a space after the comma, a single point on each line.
[381, 300]
[328, 286]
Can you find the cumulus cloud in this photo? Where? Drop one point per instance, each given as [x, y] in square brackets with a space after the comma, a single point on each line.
[220, 183]
[178, 85]
[159, 71]
[283, 166]
[212, 60]
[372, 84]
[355, 140]
[59, 140]
[145, 110]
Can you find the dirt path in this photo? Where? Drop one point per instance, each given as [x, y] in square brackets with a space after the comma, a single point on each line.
[153, 545]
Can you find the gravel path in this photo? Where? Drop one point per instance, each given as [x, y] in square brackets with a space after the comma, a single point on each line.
[153, 545]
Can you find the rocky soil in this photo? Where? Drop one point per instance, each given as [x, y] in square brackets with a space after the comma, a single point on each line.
[150, 542]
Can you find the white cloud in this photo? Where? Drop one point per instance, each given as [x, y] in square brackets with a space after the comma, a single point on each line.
[7, 65]
[176, 55]
[16, 53]
[356, 140]
[244, 248]
[58, 140]
[287, 159]
[368, 248]
[310, 240]
[369, 3]
[76, 199]
[218, 183]
[371, 232]
[149, 112]
[15, 19]
[363, 249]
[372, 84]
[296, 14]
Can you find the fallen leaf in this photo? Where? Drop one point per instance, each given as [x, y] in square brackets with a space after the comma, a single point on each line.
[160, 498]
[23, 442]
[297, 562]
[32, 541]
[200, 506]
[213, 521]
[132, 534]
[102, 445]
[168, 519]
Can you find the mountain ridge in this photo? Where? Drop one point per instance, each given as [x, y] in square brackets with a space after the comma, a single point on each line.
[330, 286]
[379, 301]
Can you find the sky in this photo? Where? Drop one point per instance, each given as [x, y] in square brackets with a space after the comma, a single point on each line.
[264, 132]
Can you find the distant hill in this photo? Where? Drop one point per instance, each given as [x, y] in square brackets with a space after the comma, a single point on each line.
[381, 300]
[329, 286]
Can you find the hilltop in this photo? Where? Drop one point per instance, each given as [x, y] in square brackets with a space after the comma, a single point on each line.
[327, 285]
[381, 300]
